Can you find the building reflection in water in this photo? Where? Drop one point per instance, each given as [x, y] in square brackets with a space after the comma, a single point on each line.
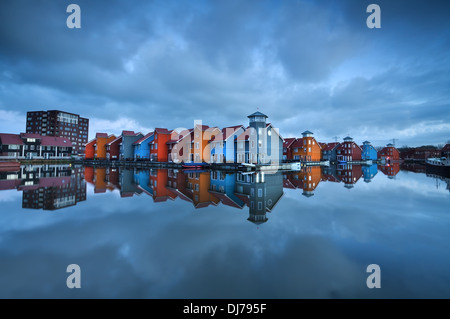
[52, 187]
[47, 187]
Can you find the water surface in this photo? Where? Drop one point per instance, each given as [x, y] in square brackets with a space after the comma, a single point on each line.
[175, 234]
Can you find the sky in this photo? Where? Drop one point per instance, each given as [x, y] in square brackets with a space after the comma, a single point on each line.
[308, 65]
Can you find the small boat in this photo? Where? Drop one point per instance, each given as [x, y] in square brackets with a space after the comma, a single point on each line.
[440, 166]
[194, 166]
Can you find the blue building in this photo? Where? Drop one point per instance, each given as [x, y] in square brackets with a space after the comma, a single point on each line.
[223, 146]
[141, 148]
[368, 152]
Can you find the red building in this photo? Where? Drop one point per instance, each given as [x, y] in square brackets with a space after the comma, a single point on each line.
[348, 151]
[287, 148]
[389, 154]
[113, 149]
[445, 152]
[420, 153]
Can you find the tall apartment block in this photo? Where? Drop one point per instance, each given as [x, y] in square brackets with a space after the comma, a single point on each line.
[62, 124]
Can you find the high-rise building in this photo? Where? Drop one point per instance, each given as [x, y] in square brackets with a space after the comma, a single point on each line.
[62, 124]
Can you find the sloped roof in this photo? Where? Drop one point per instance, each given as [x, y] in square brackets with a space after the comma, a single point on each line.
[119, 139]
[10, 139]
[128, 133]
[298, 143]
[139, 141]
[330, 146]
[181, 136]
[288, 141]
[56, 141]
[446, 148]
[226, 133]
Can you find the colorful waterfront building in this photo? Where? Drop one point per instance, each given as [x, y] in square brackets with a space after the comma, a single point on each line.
[200, 145]
[348, 151]
[141, 148]
[260, 143]
[287, 148]
[306, 148]
[389, 154]
[445, 152]
[223, 145]
[329, 151]
[179, 146]
[113, 149]
[158, 145]
[126, 148]
[96, 148]
[368, 152]
[89, 149]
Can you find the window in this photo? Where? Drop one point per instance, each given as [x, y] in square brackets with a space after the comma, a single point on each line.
[260, 192]
[197, 145]
[259, 205]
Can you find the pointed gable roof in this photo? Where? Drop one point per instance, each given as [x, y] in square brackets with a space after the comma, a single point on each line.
[142, 139]
[288, 141]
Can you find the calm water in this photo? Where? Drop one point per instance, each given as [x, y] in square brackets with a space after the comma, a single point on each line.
[174, 234]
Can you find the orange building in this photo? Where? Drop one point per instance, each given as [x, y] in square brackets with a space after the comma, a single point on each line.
[96, 149]
[158, 146]
[100, 148]
[200, 146]
[306, 148]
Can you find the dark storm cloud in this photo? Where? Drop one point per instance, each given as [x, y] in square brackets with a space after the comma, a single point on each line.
[166, 63]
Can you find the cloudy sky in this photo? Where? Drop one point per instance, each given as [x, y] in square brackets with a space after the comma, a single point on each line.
[314, 65]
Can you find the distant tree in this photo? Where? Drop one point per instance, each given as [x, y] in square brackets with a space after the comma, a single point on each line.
[440, 146]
